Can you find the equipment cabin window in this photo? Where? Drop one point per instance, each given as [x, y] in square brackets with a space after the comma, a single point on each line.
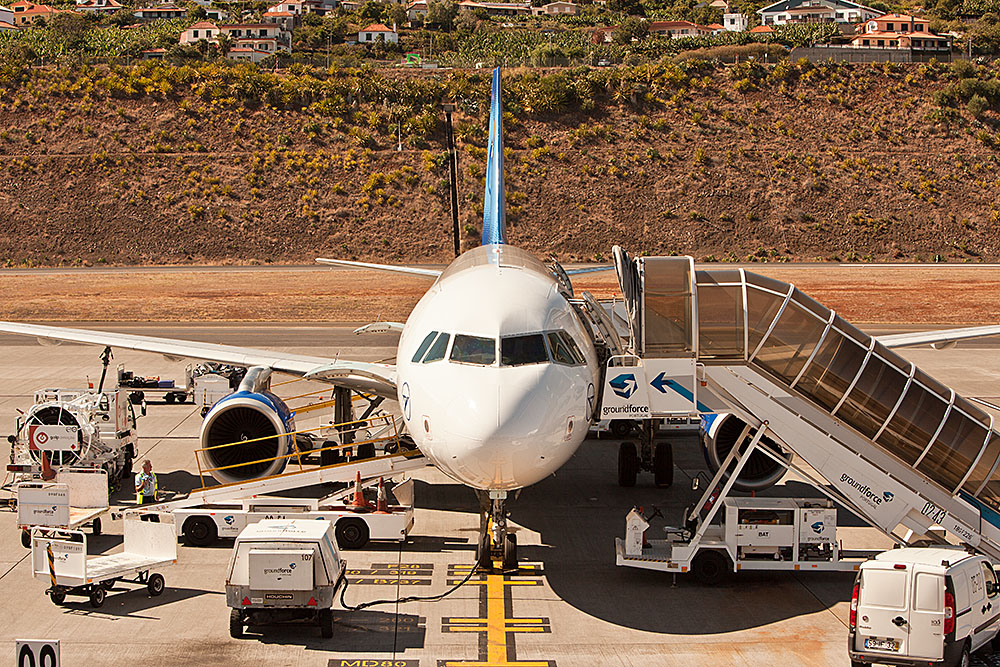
[523, 350]
[440, 346]
[474, 350]
[426, 343]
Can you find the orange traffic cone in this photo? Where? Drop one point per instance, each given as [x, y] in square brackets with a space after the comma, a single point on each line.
[382, 503]
[358, 501]
[47, 471]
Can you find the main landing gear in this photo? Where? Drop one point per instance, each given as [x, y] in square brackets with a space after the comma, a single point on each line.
[655, 457]
[496, 545]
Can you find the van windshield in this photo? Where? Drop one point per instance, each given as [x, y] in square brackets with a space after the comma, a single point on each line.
[883, 588]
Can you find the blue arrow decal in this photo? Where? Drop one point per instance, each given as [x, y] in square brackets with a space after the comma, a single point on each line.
[661, 383]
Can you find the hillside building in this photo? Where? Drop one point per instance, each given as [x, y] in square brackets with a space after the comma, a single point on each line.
[815, 11]
[376, 31]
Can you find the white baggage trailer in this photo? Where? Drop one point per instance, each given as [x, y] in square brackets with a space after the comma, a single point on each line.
[78, 497]
[60, 557]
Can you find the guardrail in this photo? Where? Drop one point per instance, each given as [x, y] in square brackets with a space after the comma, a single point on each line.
[380, 423]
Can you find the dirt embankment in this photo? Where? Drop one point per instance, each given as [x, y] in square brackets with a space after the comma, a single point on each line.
[863, 295]
[857, 163]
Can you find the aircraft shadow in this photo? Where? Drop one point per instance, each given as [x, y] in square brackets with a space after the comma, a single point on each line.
[581, 509]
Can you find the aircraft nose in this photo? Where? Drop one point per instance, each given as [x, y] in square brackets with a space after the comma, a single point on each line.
[533, 426]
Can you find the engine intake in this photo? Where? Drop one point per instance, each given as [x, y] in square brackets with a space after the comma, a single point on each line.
[244, 433]
[760, 472]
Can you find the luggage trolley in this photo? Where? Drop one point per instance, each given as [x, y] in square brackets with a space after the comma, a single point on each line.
[60, 557]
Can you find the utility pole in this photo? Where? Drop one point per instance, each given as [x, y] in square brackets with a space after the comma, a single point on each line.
[453, 172]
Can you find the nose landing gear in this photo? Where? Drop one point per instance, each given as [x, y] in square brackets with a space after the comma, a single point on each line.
[496, 545]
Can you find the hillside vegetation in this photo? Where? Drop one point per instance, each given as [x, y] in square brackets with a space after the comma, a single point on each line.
[214, 163]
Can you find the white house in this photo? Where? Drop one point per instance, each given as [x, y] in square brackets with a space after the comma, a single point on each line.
[416, 10]
[815, 11]
[202, 30]
[261, 31]
[373, 32]
[735, 22]
[216, 15]
[108, 6]
[557, 8]
[247, 54]
[6, 15]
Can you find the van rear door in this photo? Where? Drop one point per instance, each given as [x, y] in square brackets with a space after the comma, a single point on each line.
[883, 610]
[927, 616]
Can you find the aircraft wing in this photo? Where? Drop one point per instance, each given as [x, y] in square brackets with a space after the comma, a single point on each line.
[938, 339]
[411, 270]
[358, 375]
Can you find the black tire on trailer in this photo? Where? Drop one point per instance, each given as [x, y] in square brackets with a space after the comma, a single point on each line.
[325, 619]
[235, 624]
[200, 531]
[620, 427]
[510, 552]
[181, 397]
[351, 533]
[155, 584]
[169, 397]
[95, 526]
[136, 397]
[97, 595]
[710, 566]
[663, 464]
[628, 464]
[57, 597]
[25, 539]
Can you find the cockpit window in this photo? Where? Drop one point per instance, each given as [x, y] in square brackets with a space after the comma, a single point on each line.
[577, 354]
[522, 350]
[561, 352]
[423, 346]
[440, 346]
[474, 350]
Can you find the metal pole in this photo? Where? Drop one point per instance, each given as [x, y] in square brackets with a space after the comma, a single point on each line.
[453, 162]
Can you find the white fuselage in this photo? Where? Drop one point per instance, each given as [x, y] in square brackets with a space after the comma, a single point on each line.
[486, 403]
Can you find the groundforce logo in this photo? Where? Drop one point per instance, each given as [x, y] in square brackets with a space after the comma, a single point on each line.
[279, 570]
[871, 497]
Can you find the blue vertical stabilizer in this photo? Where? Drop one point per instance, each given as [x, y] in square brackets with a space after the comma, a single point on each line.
[494, 211]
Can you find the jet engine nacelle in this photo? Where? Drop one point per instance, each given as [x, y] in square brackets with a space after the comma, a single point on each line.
[245, 434]
[719, 435]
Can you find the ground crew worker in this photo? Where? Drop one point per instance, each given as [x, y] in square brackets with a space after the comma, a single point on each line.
[145, 484]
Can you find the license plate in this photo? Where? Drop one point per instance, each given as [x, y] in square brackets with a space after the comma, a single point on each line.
[872, 643]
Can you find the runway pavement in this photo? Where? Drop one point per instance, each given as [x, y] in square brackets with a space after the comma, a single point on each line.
[569, 605]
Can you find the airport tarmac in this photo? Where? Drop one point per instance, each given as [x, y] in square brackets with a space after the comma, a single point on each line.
[568, 605]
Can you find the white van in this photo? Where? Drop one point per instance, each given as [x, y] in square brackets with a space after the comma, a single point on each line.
[281, 570]
[923, 605]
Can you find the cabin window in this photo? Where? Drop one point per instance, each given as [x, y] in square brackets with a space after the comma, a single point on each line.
[440, 346]
[474, 350]
[523, 350]
[426, 343]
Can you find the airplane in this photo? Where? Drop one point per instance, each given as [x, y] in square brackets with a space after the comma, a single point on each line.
[496, 372]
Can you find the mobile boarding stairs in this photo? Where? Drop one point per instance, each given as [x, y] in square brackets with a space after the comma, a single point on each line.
[893, 445]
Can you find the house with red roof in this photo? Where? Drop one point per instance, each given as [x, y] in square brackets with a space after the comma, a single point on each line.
[762, 29]
[202, 30]
[26, 12]
[372, 33]
[900, 31]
